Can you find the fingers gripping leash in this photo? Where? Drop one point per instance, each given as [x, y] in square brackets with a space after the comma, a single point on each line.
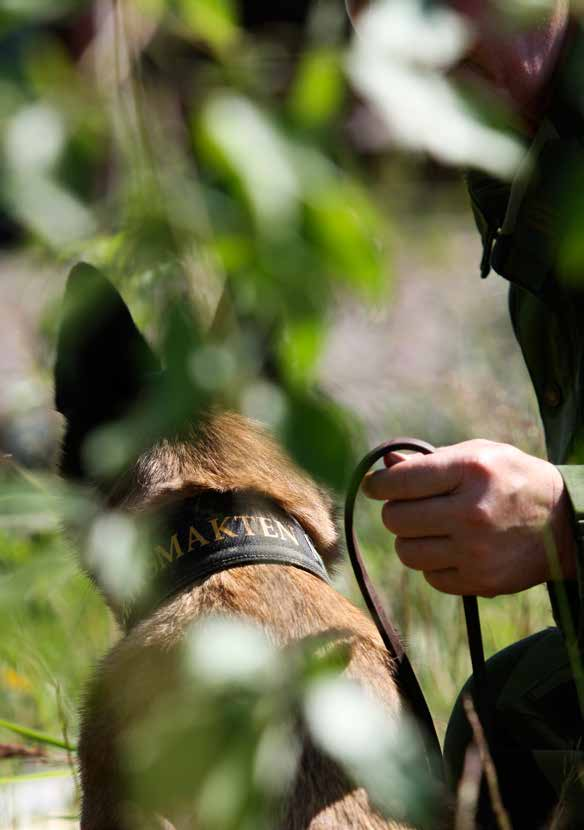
[404, 674]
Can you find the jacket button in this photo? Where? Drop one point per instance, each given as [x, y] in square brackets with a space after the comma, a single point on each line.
[552, 395]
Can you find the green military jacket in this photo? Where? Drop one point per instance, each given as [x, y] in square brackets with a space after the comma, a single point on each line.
[533, 235]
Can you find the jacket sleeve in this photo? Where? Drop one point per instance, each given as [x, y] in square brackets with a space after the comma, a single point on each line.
[567, 596]
[567, 114]
[573, 475]
[527, 254]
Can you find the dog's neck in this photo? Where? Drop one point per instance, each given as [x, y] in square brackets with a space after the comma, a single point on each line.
[211, 532]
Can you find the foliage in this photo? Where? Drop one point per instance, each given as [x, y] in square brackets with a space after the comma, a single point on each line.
[200, 167]
[206, 165]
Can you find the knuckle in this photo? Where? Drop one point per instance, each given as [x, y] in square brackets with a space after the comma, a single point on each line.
[486, 457]
[478, 515]
[475, 444]
[480, 466]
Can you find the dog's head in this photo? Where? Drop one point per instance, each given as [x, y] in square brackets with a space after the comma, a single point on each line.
[106, 373]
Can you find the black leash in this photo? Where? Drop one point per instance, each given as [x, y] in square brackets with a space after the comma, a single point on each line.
[404, 674]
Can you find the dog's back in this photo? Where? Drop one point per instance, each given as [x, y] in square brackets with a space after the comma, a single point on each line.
[229, 456]
[140, 670]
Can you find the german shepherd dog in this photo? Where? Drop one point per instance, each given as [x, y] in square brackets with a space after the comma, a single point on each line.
[229, 490]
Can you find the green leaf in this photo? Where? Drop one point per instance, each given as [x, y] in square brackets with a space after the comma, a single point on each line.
[39, 776]
[318, 91]
[239, 138]
[36, 736]
[48, 210]
[211, 20]
[13, 12]
[317, 434]
[300, 348]
[35, 503]
[344, 223]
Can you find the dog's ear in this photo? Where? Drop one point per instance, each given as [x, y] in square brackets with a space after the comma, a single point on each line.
[104, 365]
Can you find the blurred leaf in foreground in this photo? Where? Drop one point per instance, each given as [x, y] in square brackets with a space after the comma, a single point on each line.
[400, 54]
[318, 89]
[13, 12]
[257, 154]
[211, 20]
[384, 754]
[240, 701]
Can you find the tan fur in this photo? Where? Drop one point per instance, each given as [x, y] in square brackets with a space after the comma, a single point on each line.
[229, 453]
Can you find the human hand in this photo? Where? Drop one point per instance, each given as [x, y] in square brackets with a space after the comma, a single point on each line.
[472, 516]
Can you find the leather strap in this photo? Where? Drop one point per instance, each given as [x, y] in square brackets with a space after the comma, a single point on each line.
[212, 532]
[404, 674]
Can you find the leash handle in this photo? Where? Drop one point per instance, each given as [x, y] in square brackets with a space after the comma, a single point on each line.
[404, 674]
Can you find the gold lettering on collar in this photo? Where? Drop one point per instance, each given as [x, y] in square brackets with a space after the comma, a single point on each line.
[268, 527]
[174, 551]
[285, 531]
[246, 524]
[196, 538]
[219, 529]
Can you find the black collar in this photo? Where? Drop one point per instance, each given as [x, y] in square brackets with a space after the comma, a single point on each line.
[211, 532]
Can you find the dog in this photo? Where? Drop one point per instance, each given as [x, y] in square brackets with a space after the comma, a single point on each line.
[225, 488]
